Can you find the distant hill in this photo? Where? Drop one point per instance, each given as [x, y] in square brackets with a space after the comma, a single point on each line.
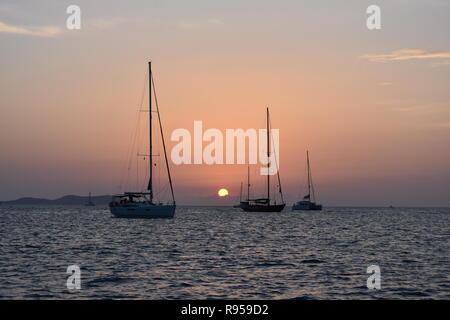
[65, 200]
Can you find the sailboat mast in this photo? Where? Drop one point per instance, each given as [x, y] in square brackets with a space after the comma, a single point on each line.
[161, 131]
[268, 157]
[150, 181]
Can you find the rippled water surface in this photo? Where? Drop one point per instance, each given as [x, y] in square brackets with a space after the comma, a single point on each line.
[219, 252]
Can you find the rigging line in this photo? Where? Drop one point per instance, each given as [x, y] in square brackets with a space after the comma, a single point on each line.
[140, 142]
[162, 192]
[128, 156]
[259, 179]
[137, 173]
[156, 163]
[137, 144]
[276, 163]
[163, 142]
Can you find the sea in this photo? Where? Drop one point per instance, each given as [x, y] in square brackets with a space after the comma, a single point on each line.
[223, 253]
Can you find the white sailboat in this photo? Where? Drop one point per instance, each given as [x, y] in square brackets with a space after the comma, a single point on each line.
[308, 203]
[263, 204]
[141, 204]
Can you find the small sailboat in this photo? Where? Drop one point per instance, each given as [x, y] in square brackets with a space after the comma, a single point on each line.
[141, 204]
[90, 203]
[306, 203]
[263, 204]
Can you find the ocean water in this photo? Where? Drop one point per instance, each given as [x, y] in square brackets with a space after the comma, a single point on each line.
[218, 252]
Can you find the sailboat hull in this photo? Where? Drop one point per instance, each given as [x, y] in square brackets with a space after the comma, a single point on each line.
[143, 211]
[261, 207]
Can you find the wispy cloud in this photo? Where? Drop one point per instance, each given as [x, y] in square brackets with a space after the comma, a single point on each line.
[215, 21]
[443, 63]
[385, 83]
[105, 23]
[407, 54]
[46, 31]
[51, 31]
[442, 125]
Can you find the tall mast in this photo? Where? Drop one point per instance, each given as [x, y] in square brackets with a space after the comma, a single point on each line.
[161, 131]
[150, 181]
[309, 174]
[276, 162]
[268, 157]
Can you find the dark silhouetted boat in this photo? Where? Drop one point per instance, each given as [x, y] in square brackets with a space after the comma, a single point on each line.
[308, 203]
[263, 204]
[90, 203]
[141, 204]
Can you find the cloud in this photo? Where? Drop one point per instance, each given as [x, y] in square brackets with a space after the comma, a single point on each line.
[215, 21]
[386, 83]
[421, 108]
[51, 31]
[46, 31]
[406, 54]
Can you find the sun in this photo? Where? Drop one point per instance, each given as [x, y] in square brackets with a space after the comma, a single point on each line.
[222, 192]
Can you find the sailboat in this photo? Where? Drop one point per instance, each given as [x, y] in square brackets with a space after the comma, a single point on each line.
[263, 204]
[142, 204]
[90, 203]
[306, 203]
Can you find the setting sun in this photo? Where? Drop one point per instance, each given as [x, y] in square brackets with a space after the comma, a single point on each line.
[222, 192]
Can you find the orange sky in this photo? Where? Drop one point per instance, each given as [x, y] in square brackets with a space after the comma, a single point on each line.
[378, 132]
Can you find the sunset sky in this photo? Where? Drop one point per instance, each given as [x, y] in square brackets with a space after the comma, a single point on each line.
[373, 107]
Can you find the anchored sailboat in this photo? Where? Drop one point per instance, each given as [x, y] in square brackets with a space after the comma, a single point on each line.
[306, 203]
[141, 204]
[263, 204]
